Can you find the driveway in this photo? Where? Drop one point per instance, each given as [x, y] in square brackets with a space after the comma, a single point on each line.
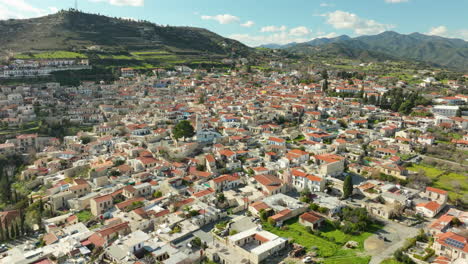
[395, 233]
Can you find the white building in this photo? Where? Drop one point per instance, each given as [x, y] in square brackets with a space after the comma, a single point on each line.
[445, 110]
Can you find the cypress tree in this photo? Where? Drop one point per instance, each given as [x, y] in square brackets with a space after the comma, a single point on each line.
[347, 186]
[13, 230]
[18, 230]
[7, 232]
[22, 221]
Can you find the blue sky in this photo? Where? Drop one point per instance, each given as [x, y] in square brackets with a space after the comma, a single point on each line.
[257, 22]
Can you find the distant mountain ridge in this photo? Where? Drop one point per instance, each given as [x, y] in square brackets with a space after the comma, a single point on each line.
[431, 49]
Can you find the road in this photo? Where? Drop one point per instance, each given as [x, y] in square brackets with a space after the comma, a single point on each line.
[445, 161]
[397, 234]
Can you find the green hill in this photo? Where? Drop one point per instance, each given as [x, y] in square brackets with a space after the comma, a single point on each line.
[435, 50]
[110, 40]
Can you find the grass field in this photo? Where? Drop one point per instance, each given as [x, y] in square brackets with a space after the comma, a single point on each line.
[52, 55]
[332, 252]
[84, 216]
[456, 184]
[390, 261]
[431, 172]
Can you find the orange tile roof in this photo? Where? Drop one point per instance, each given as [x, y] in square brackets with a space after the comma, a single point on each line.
[436, 190]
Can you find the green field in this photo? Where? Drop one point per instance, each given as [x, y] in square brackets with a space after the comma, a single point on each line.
[431, 172]
[390, 261]
[52, 55]
[332, 252]
[84, 216]
[456, 184]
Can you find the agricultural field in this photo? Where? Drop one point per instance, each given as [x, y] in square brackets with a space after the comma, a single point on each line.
[332, 252]
[52, 55]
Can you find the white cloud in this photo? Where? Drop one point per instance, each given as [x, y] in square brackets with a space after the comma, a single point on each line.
[222, 19]
[345, 20]
[438, 31]
[21, 9]
[443, 31]
[396, 1]
[326, 5]
[299, 31]
[248, 24]
[136, 3]
[273, 29]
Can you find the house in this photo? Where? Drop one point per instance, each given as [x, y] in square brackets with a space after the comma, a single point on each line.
[101, 204]
[255, 245]
[445, 110]
[7, 149]
[284, 207]
[130, 244]
[435, 194]
[429, 209]
[300, 180]
[270, 184]
[9, 219]
[311, 219]
[276, 141]
[394, 170]
[140, 190]
[381, 210]
[107, 234]
[330, 164]
[225, 182]
[127, 72]
[440, 225]
[452, 246]
[297, 156]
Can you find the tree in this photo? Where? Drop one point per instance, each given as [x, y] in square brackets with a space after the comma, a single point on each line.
[455, 222]
[85, 139]
[221, 198]
[347, 186]
[183, 129]
[157, 194]
[263, 215]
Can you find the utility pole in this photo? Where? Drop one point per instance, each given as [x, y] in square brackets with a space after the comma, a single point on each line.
[76, 5]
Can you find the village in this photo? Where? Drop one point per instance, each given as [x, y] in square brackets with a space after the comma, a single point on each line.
[208, 166]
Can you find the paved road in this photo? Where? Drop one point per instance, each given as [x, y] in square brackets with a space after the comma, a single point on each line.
[397, 234]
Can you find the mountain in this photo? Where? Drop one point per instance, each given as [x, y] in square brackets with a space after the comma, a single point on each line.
[278, 46]
[91, 33]
[438, 51]
[314, 42]
[322, 41]
[340, 50]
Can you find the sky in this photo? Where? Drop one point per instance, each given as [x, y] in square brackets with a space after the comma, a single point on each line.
[256, 22]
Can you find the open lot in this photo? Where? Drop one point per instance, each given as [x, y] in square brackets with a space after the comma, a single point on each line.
[455, 183]
[331, 252]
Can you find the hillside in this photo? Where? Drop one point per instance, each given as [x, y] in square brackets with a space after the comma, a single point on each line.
[107, 38]
[438, 51]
